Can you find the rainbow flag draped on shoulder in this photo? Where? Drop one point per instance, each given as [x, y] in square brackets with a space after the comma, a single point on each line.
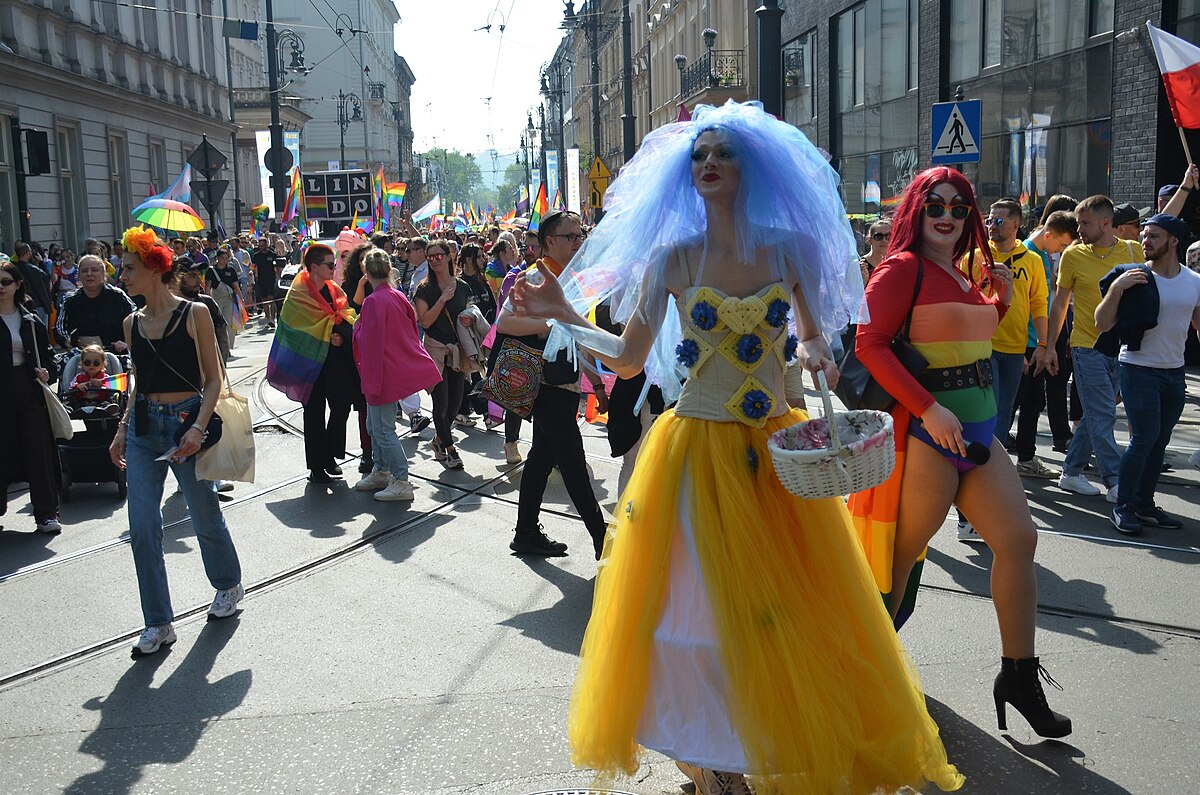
[301, 342]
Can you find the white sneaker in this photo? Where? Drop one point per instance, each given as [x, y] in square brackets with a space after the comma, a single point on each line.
[967, 534]
[154, 638]
[50, 527]
[399, 490]
[223, 485]
[1078, 484]
[378, 479]
[1034, 468]
[225, 602]
[1112, 494]
[511, 454]
[1194, 460]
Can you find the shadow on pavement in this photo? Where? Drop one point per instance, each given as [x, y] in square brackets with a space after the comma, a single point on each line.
[144, 725]
[561, 625]
[399, 547]
[1003, 766]
[1086, 595]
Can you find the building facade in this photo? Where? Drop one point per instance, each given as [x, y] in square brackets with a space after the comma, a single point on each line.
[1071, 96]
[122, 95]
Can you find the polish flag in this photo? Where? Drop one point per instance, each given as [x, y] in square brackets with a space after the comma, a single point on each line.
[1179, 62]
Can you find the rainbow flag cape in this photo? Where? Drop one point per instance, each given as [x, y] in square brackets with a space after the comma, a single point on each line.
[259, 214]
[301, 343]
[540, 208]
[118, 382]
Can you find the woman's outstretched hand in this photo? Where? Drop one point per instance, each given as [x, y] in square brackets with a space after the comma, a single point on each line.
[542, 301]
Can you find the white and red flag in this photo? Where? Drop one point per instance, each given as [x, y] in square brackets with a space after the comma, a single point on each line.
[1179, 62]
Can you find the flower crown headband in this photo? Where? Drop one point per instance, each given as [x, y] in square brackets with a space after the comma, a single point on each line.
[152, 251]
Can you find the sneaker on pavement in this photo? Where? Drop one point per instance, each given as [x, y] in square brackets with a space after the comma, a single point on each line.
[452, 460]
[1034, 468]
[511, 454]
[534, 541]
[223, 485]
[50, 527]
[225, 602]
[1125, 521]
[378, 479]
[967, 534]
[1158, 518]
[1078, 484]
[1111, 496]
[418, 423]
[397, 490]
[152, 639]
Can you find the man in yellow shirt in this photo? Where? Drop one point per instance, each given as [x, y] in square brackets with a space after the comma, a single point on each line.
[1028, 300]
[1082, 267]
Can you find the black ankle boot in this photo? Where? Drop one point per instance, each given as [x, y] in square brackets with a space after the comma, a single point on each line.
[1017, 684]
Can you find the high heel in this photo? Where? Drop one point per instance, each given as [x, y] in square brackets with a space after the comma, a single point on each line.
[1018, 684]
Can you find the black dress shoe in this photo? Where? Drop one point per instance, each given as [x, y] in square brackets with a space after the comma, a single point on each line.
[319, 476]
[334, 469]
[533, 541]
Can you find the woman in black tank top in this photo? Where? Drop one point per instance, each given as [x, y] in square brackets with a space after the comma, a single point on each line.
[176, 382]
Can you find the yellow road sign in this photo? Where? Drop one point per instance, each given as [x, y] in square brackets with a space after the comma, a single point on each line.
[599, 171]
[596, 196]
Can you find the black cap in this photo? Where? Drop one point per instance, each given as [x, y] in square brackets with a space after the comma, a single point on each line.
[1171, 224]
[1125, 214]
[185, 264]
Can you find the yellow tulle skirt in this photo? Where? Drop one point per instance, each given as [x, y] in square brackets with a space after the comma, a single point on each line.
[821, 695]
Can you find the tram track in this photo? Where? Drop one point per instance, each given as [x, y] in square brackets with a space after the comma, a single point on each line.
[397, 529]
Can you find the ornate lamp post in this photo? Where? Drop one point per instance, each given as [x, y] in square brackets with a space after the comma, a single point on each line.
[349, 109]
[681, 64]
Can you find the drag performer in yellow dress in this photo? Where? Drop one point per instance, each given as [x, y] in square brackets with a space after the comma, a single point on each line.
[735, 628]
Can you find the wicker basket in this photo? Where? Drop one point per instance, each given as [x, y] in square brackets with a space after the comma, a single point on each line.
[816, 458]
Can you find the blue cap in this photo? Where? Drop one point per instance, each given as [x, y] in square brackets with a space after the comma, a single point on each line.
[1171, 224]
[1167, 191]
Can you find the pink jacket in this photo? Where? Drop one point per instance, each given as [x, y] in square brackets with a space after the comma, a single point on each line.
[391, 360]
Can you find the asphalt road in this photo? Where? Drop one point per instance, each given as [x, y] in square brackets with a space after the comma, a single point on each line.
[399, 648]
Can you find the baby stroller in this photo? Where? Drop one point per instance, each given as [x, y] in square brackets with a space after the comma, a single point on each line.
[84, 457]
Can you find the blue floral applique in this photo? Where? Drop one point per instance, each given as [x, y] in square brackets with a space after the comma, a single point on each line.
[752, 459]
[756, 404]
[777, 313]
[789, 350]
[704, 315]
[750, 348]
[687, 353]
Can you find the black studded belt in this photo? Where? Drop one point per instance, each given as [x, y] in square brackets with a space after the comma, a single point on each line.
[974, 374]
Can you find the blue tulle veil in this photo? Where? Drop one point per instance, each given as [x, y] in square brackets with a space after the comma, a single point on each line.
[789, 203]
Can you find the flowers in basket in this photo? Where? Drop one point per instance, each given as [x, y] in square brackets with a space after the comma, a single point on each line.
[858, 432]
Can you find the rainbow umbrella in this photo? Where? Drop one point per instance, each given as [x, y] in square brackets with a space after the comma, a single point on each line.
[167, 214]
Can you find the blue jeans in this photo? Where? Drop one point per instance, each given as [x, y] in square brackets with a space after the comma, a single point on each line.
[1096, 380]
[146, 476]
[387, 453]
[1006, 372]
[1154, 401]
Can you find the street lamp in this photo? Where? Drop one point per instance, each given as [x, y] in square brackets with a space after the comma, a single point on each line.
[681, 64]
[349, 109]
[627, 117]
[530, 132]
[591, 28]
[398, 116]
[770, 56]
[525, 151]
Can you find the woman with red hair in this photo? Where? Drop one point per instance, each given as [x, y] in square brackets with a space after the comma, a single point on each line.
[931, 285]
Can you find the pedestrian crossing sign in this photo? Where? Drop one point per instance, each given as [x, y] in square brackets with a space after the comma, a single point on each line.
[956, 132]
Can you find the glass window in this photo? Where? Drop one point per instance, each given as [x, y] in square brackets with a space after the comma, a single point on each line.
[894, 35]
[914, 44]
[158, 166]
[1188, 27]
[800, 106]
[965, 23]
[9, 226]
[180, 23]
[845, 62]
[992, 33]
[118, 167]
[148, 20]
[860, 55]
[1102, 16]
[1062, 25]
[1020, 32]
[68, 184]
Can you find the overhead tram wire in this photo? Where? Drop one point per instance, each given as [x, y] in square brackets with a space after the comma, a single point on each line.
[200, 15]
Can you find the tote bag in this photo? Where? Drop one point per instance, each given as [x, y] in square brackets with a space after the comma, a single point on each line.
[60, 420]
[232, 457]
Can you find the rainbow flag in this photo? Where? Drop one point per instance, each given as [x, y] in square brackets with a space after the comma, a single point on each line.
[294, 205]
[316, 207]
[395, 198]
[259, 214]
[892, 201]
[118, 382]
[523, 201]
[377, 187]
[540, 208]
[558, 201]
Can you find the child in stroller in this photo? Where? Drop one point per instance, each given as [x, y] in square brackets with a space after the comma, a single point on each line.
[93, 391]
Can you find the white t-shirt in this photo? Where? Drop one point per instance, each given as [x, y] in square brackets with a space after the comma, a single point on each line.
[1162, 346]
[13, 322]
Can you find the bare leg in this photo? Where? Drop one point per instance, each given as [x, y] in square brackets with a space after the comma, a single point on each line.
[926, 493]
[993, 499]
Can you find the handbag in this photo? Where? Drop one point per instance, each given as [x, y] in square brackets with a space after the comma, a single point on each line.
[872, 396]
[60, 420]
[516, 376]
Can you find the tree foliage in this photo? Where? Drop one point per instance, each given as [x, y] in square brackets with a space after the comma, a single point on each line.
[462, 181]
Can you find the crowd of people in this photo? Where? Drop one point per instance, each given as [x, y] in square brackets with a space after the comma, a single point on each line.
[727, 242]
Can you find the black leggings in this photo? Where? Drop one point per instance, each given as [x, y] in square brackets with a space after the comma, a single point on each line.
[447, 396]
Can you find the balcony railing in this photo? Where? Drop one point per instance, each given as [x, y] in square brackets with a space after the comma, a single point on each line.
[715, 69]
